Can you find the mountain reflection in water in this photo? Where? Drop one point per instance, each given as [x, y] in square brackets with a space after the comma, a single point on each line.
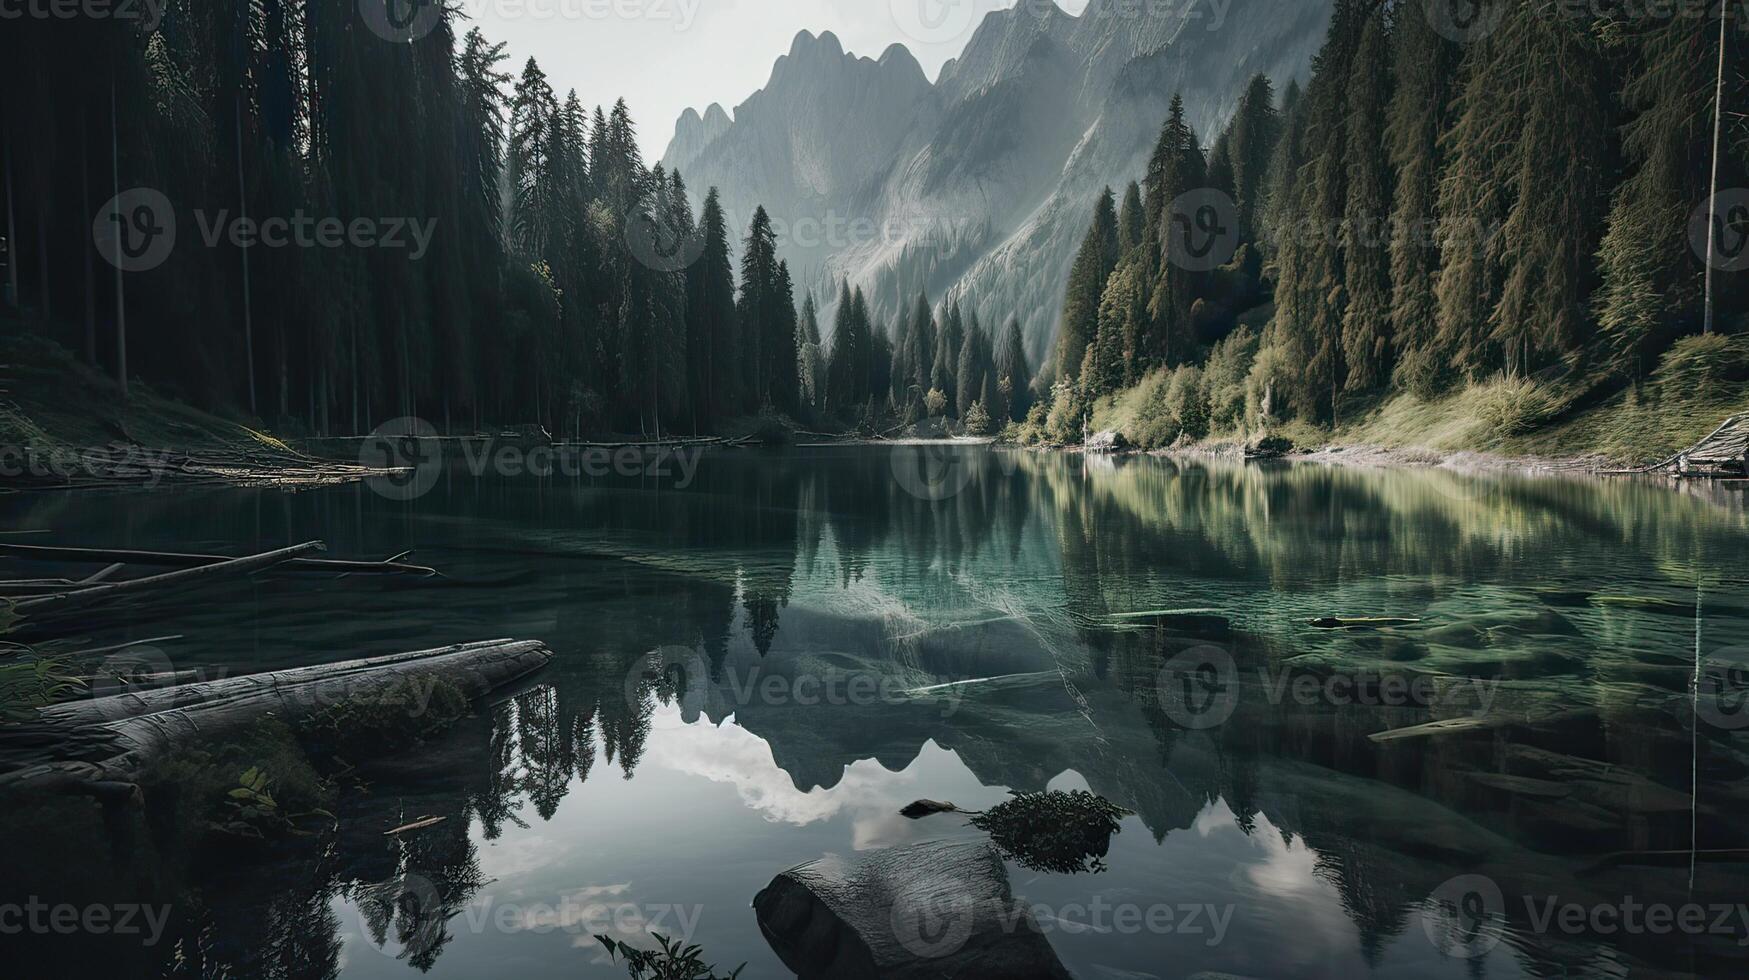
[765, 666]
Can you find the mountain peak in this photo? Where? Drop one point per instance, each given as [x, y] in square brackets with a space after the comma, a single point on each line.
[716, 116]
[825, 43]
[899, 56]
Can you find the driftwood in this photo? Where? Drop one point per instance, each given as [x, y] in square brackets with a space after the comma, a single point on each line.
[64, 603]
[109, 742]
[167, 559]
[122, 465]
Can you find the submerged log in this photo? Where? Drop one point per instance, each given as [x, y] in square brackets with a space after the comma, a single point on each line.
[169, 559]
[118, 749]
[81, 598]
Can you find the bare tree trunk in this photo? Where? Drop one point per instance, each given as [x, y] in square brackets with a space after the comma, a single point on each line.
[1713, 193]
[243, 209]
[11, 234]
[121, 306]
[90, 270]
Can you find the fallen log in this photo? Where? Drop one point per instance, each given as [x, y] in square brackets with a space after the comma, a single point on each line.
[169, 559]
[134, 704]
[61, 604]
[117, 751]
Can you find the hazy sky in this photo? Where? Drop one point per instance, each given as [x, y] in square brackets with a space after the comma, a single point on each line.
[665, 55]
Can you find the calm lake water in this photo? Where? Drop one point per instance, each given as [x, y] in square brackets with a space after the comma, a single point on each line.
[764, 666]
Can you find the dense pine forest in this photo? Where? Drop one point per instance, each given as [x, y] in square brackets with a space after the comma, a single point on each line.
[564, 282]
[1511, 212]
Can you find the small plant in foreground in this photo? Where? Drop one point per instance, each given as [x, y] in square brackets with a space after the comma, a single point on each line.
[673, 961]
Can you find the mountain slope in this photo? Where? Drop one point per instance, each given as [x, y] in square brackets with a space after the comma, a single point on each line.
[978, 187]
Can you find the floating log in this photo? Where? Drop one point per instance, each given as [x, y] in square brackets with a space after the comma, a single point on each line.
[169, 559]
[133, 704]
[80, 598]
[119, 750]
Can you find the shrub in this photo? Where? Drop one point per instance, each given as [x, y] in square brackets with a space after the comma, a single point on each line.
[1705, 368]
[1510, 406]
[1273, 377]
[935, 403]
[1063, 424]
[977, 420]
[1224, 378]
[1187, 403]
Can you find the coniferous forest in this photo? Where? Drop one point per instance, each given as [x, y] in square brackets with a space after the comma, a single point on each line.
[1432, 210]
[564, 281]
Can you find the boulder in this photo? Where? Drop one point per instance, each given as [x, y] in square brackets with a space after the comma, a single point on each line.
[929, 910]
[1109, 441]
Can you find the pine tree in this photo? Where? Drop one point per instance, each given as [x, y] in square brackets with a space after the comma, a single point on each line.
[1093, 265]
[1366, 322]
[1648, 292]
[1423, 63]
[713, 343]
[1130, 220]
[1255, 130]
[1016, 376]
[1163, 335]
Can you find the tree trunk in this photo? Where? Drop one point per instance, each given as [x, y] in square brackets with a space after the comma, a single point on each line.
[121, 306]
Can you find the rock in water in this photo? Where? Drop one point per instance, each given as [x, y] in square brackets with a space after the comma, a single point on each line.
[1109, 441]
[930, 910]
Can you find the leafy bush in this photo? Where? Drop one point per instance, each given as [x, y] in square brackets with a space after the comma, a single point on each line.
[935, 403]
[1268, 387]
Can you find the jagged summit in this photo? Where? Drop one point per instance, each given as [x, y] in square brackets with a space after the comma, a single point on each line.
[983, 180]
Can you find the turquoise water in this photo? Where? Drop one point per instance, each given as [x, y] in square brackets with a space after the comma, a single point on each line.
[765, 665]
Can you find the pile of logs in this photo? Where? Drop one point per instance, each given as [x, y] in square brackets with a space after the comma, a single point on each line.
[122, 465]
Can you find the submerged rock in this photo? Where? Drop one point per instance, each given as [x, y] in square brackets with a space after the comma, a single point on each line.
[936, 909]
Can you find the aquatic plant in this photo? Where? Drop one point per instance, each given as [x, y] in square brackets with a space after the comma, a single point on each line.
[29, 681]
[1056, 831]
[1063, 832]
[672, 961]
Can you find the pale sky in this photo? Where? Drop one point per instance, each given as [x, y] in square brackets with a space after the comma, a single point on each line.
[665, 55]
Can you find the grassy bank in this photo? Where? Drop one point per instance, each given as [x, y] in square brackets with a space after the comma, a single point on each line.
[49, 399]
[1695, 387]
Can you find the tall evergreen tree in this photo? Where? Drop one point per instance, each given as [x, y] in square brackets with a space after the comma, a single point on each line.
[1093, 266]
